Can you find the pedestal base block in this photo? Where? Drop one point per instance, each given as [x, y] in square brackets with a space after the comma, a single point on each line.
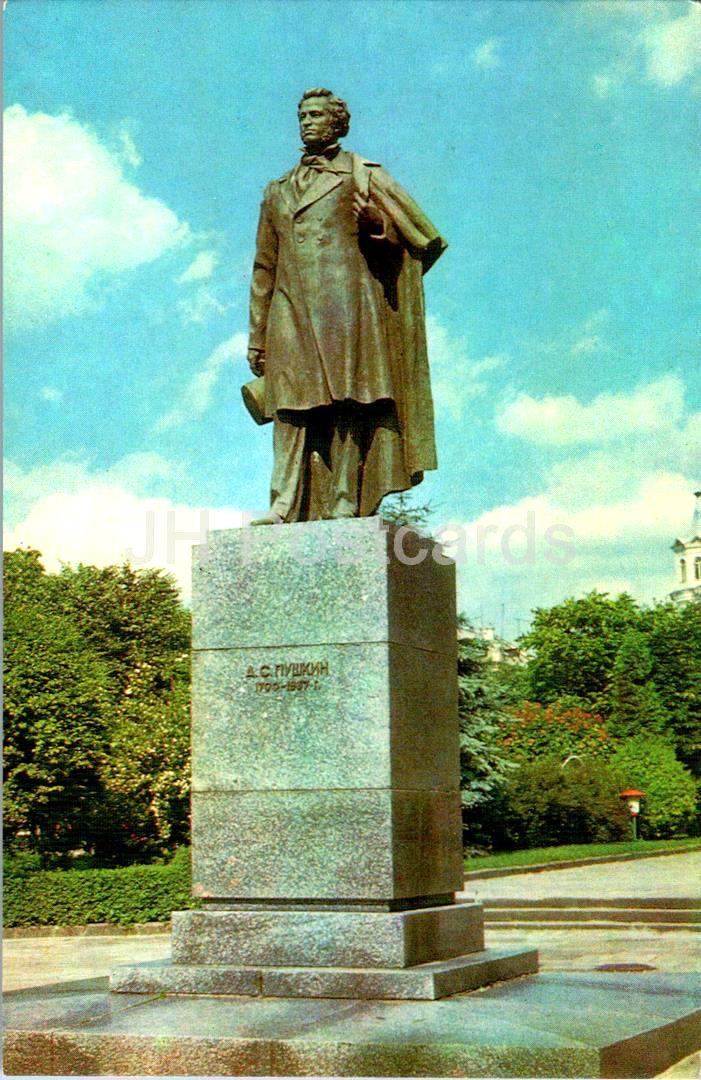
[346, 939]
[422, 982]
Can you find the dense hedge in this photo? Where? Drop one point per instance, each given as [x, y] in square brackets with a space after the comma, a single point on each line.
[132, 894]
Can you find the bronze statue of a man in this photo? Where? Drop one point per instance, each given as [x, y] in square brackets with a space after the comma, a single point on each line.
[338, 327]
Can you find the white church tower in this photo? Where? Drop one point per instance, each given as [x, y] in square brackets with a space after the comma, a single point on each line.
[688, 559]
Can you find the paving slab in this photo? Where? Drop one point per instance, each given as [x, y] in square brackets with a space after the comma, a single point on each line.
[38, 961]
[571, 950]
[559, 1024]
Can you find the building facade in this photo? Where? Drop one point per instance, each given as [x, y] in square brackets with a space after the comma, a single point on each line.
[688, 560]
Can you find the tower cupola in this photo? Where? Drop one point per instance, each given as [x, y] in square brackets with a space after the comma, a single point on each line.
[688, 560]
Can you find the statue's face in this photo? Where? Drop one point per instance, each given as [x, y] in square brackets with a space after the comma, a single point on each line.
[316, 122]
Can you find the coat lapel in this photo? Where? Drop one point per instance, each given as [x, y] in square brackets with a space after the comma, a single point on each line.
[286, 192]
[323, 183]
[320, 186]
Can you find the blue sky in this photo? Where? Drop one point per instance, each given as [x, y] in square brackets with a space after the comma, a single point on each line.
[556, 146]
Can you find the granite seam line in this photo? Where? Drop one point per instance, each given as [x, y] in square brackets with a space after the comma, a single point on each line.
[320, 645]
[80, 1023]
[528, 1026]
[300, 1036]
[397, 1003]
[324, 790]
[473, 960]
[345, 1010]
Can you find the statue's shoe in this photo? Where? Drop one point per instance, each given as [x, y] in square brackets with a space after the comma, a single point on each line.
[271, 518]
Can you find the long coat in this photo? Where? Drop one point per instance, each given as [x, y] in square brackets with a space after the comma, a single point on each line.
[339, 313]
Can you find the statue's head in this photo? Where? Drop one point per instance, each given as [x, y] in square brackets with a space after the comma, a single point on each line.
[323, 117]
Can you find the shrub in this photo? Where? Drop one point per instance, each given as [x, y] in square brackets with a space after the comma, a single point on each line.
[129, 895]
[649, 762]
[543, 805]
[556, 730]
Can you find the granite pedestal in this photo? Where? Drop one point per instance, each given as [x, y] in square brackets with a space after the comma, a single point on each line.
[326, 823]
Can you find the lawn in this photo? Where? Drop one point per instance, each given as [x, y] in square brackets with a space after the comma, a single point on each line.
[578, 851]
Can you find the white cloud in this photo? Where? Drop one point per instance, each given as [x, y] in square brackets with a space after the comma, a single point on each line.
[629, 10]
[563, 421]
[50, 393]
[620, 505]
[75, 515]
[456, 378]
[511, 555]
[129, 152]
[603, 83]
[608, 475]
[197, 396]
[584, 338]
[660, 39]
[674, 48]
[586, 345]
[649, 507]
[200, 307]
[71, 217]
[70, 475]
[486, 55]
[200, 268]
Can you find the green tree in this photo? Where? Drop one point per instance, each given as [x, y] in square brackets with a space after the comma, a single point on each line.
[98, 668]
[135, 620]
[574, 647]
[145, 805]
[56, 705]
[673, 634]
[610, 656]
[485, 691]
[401, 509]
[634, 702]
[545, 804]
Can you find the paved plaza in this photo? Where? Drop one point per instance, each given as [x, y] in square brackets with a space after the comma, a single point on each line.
[44, 961]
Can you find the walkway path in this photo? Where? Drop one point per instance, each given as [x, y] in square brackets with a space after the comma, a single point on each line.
[665, 876]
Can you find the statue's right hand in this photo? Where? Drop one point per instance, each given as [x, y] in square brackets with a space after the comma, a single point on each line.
[256, 361]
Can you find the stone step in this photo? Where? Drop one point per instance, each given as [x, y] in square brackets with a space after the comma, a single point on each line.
[422, 982]
[681, 903]
[634, 915]
[593, 924]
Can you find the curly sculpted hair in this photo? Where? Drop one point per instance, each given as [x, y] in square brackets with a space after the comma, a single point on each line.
[341, 113]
